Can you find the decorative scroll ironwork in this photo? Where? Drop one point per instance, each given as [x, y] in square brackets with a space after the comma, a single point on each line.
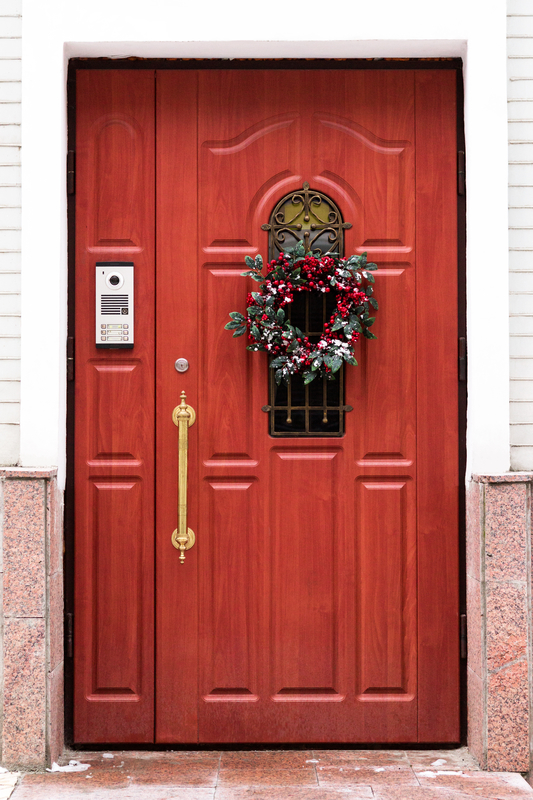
[307, 216]
[316, 409]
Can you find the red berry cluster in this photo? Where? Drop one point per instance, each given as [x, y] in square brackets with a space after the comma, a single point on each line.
[315, 276]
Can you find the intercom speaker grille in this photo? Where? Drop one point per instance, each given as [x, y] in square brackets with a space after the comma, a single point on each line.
[114, 303]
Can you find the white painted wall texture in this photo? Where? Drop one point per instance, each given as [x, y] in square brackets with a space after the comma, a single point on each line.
[520, 111]
[10, 227]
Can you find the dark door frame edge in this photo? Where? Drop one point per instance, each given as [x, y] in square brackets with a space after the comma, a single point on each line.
[76, 64]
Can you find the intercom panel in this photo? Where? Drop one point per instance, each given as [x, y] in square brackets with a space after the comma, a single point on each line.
[114, 304]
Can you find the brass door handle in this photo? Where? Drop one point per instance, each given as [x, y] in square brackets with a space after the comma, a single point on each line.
[183, 417]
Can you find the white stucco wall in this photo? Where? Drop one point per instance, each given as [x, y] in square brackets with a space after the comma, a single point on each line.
[520, 110]
[10, 222]
[55, 31]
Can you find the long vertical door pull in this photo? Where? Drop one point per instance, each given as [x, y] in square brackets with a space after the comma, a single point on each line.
[183, 417]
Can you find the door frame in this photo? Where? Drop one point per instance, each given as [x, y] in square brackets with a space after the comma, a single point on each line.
[172, 64]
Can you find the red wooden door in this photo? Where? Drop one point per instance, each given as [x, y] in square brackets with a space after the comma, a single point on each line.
[323, 586]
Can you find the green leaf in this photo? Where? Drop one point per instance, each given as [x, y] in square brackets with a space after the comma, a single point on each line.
[295, 273]
[336, 363]
[369, 334]
[357, 325]
[293, 346]
[317, 363]
[239, 331]
[247, 274]
[258, 278]
[373, 302]
[278, 375]
[371, 265]
[339, 323]
[280, 316]
[299, 250]
[255, 332]
[236, 315]
[370, 321]
[328, 360]
[248, 260]
[258, 297]
[368, 275]
[231, 325]
[351, 360]
[278, 362]
[308, 377]
[259, 262]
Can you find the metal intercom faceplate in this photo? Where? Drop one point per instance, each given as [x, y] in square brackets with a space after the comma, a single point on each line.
[114, 304]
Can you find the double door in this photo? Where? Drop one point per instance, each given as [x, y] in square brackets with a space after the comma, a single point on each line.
[320, 600]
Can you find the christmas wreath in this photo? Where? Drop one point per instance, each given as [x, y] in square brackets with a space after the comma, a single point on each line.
[268, 323]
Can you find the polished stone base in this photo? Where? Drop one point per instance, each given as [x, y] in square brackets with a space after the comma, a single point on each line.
[31, 690]
[499, 620]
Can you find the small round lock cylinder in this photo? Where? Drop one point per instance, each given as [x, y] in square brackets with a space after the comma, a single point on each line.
[181, 365]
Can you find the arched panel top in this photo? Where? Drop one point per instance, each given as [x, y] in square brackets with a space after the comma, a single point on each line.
[117, 155]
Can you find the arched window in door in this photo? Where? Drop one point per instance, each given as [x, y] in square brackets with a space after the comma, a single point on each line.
[317, 409]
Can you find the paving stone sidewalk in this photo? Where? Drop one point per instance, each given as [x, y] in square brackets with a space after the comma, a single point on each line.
[273, 775]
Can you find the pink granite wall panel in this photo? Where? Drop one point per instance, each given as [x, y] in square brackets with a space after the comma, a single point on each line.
[55, 666]
[56, 717]
[56, 620]
[508, 719]
[24, 548]
[506, 605]
[474, 516]
[32, 698]
[476, 715]
[476, 654]
[505, 532]
[499, 623]
[475, 498]
[24, 741]
[55, 527]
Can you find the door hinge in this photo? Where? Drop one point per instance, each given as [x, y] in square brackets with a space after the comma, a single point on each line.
[71, 172]
[70, 358]
[462, 635]
[461, 172]
[462, 358]
[69, 635]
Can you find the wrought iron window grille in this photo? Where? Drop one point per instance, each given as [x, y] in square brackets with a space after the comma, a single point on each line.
[316, 409]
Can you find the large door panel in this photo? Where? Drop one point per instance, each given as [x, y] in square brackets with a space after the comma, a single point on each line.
[307, 550]
[114, 436]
